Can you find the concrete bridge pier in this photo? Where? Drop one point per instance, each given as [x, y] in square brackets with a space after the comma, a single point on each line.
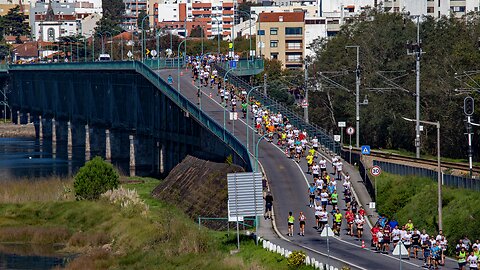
[87, 143]
[119, 148]
[132, 163]
[37, 123]
[108, 147]
[97, 141]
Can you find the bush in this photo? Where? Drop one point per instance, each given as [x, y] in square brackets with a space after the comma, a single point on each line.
[95, 178]
[296, 259]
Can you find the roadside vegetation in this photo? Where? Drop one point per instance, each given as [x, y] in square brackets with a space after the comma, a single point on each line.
[124, 229]
[410, 197]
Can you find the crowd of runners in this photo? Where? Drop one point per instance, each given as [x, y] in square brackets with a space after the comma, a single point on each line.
[322, 193]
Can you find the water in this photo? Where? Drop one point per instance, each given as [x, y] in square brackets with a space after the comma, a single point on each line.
[22, 157]
[26, 256]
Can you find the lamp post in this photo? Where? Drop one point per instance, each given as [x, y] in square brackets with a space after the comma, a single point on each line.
[103, 45]
[224, 110]
[121, 41]
[178, 63]
[143, 34]
[248, 95]
[111, 43]
[250, 30]
[357, 95]
[439, 168]
[256, 151]
[218, 35]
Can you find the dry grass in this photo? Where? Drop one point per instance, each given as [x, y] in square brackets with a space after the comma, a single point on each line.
[38, 190]
[82, 239]
[36, 235]
[95, 259]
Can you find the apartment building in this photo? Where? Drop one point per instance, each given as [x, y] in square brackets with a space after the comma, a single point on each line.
[215, 15]
[133, 8]
[281, 36]
[435, 8]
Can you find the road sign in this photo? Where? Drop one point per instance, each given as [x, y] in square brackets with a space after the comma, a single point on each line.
[375, 170]
[129, 54]
[400, 250]
[365, 149]
[233, 64]
[371, 205]
[305, 103]
[147, 51]
[153, 53]
[233, 218]
[233, 116]
[245, 194]
[342, 124]
[337, 138]
[327, 231]
[350, 130]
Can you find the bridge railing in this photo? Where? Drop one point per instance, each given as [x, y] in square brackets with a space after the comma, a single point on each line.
[166, 89]
[195, 111]
[163, 63]
[275, 106]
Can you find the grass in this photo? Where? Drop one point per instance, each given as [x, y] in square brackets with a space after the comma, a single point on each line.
[36, 190]
[107, 237]
[410, 197]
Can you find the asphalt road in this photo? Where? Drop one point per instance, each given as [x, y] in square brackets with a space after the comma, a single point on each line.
[288, 183]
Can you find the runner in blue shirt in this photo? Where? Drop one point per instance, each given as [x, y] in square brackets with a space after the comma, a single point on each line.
[311, 193]
[435, 251]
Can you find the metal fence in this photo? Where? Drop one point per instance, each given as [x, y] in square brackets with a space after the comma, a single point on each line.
[223, 224]
[160, 63]
[273, 105]
[447, 179]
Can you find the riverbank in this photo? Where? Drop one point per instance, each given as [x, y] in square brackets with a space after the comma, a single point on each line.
[9, 130]
[110, 236]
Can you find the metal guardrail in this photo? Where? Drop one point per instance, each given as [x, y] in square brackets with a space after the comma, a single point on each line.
[447, 179]
[247, 222]
[163, 63]
[275, 106]
[245, 66]
[166, 89]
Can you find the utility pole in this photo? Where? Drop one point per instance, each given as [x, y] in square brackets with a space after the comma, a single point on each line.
[357, 96]
[416, 50]
[305, 107]
[468, 109]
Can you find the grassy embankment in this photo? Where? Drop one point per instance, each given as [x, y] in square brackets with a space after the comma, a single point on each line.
[405, 197]
[109, 236]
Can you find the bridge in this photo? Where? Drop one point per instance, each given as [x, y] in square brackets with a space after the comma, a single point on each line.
[155, 125]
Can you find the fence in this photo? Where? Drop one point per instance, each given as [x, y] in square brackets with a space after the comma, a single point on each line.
[447, 179]
[160, 63]
[355, 158]
[275, 106]
[219, 223]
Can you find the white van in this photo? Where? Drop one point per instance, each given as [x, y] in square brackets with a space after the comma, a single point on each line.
[104, 57]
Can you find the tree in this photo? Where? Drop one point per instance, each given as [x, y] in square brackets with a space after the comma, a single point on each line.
[112, 16]
[94, 178]
[197, 31]
[141, 18]
[13, 23]
[245, 7]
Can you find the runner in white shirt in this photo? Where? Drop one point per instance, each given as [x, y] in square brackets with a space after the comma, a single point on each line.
[323, 219]
[347, 185]
[339, 167]
[323, 165]
[334, 163]
[324, 198]
[472, 261]
[318, 210]
[359, 222]
[395, 236]
[315, 170]
[407, 240]
[315, 143]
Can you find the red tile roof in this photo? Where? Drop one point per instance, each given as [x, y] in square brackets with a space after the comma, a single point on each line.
[286, 16]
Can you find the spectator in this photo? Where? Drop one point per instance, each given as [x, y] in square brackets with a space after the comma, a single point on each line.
[393, 223]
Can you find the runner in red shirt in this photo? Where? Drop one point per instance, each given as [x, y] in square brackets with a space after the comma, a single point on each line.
[374, 232]
[350, 217]
[361, 212]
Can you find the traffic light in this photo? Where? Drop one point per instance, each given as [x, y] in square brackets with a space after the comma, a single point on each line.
[468, 106]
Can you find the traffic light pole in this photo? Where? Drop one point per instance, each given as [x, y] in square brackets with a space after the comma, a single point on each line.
[470, 150]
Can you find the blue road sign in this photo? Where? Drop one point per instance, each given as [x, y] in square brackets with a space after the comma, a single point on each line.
[365, 149]
[233, 64]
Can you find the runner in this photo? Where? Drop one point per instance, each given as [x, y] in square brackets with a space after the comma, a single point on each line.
[472, 261]
[337, 218]
[359, 221]
[350, 217]
[374, 231]
[395, 236]
[268, 205]
[462, 258]
[339, 166]
[426, 251]
[435, 255]
[310, 162]
[291, 220]
[407, 241]
[301, 219]
[323, 219]
[318, 213]
[334, 197]
[315, 170]
[311, 194]
[387, 236]
[323, 165]
[415, 242]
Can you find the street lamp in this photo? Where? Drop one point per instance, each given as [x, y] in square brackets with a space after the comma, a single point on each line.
[143, 34]
[357, 95]
[224, 113]
[111, 43]
[248, 95]
[121, 41]
[256, 150]
[250, 30]
[178, 63]
[439, 168]
[218, 34]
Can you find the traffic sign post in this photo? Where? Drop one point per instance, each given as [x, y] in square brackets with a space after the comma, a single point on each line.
[341, 125]
[327, 232]
[365, 149]
[400, 250]
[350, 132]
[233, 117]
[304, 103]
[375, 171]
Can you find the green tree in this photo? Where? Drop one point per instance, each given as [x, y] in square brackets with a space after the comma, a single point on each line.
[146, 22]
[112, 16]
[197, 31]
[94, 178]
[13, 23]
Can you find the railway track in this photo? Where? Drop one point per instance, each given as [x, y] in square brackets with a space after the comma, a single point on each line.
[420, 161]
